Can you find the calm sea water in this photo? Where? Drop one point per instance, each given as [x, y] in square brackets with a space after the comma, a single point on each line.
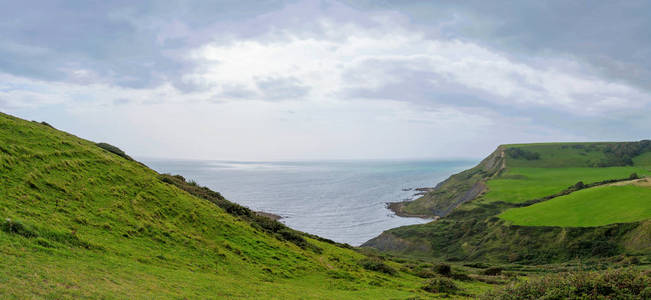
[340, 200]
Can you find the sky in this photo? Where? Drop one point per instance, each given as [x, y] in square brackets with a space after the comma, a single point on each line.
[303, 80]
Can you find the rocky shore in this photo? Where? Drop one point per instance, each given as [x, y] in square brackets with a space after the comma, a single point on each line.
[396, 206]
[268, 215]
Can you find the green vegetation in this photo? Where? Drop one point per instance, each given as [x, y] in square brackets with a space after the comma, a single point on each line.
[522, 184]
[589, 207]
[567, 155]
[77, 221]
[611, 284]
[559, 186]
[643, 159]
[83, 220]
[518, 153]
[113, 149]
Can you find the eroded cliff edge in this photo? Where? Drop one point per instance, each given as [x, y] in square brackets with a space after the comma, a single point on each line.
[454, 191]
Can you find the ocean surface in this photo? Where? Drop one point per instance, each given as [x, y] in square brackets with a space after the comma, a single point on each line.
[344, 201]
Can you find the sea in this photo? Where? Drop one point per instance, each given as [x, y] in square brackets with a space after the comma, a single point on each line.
[344, 201]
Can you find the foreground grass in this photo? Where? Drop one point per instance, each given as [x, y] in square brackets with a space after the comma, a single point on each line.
[595, 206]
[79, 221]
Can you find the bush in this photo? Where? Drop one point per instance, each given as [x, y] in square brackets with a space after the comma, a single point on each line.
[375, 264]
[47, 124]
[621, 154]
[610, 284]
[441, 285]
[579, 185]
[113, 149]
[425, 273]
[518, 153]
[443, 269]
[493, 271]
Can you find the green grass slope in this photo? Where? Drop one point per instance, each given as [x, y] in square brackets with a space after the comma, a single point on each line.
[596, 206]
[520, 184]
[529, 189]
[79, 221]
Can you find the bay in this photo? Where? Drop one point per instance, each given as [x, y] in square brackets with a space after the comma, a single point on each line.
[344, 201]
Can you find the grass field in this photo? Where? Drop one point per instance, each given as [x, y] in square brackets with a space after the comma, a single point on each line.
[522, 184]
[77, 221]
[595, 206]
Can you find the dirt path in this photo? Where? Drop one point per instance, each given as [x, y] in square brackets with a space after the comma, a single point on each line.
[644, 182]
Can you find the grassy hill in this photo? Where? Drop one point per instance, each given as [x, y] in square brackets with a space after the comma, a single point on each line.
[539, 203]
[517, 173]
[83, 220]
[595, 206]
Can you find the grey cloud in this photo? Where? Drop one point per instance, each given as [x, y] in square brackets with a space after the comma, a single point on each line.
[611, 36]
[237, 92]
[412, 84]
[141, 44]
[282, 88]
[117, 40]
[121, 101]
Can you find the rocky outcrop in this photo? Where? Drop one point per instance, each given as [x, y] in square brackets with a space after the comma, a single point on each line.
[454, 191]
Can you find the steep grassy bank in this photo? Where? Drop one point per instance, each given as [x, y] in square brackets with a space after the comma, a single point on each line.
[533, 181]
[80, 220]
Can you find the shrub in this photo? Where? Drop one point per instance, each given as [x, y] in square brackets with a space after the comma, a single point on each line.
[518, 153]
[47, 124]
[579, 185]
[441, 285]
[621, 154]
[425, 273]
[114, 150]
[443, 269]
[609, 284]
[477, 265]
[633, 176]
[493, 271]
[375, 264]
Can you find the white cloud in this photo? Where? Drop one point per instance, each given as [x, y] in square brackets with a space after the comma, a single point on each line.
[287, 95]
[353, 57]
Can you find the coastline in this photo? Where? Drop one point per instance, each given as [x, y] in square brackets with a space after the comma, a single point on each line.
[268, 215]
[396, 207]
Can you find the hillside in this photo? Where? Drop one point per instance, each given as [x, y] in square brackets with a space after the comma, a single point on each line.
[623, 202]
[83, 220]
[545, 203]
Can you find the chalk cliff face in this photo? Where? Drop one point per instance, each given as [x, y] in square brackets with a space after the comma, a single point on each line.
[454, 191]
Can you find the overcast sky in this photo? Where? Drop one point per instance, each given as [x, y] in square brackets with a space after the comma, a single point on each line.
[283, 80]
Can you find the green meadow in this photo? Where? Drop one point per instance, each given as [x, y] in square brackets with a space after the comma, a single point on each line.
[595, 206]
[520, 184]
